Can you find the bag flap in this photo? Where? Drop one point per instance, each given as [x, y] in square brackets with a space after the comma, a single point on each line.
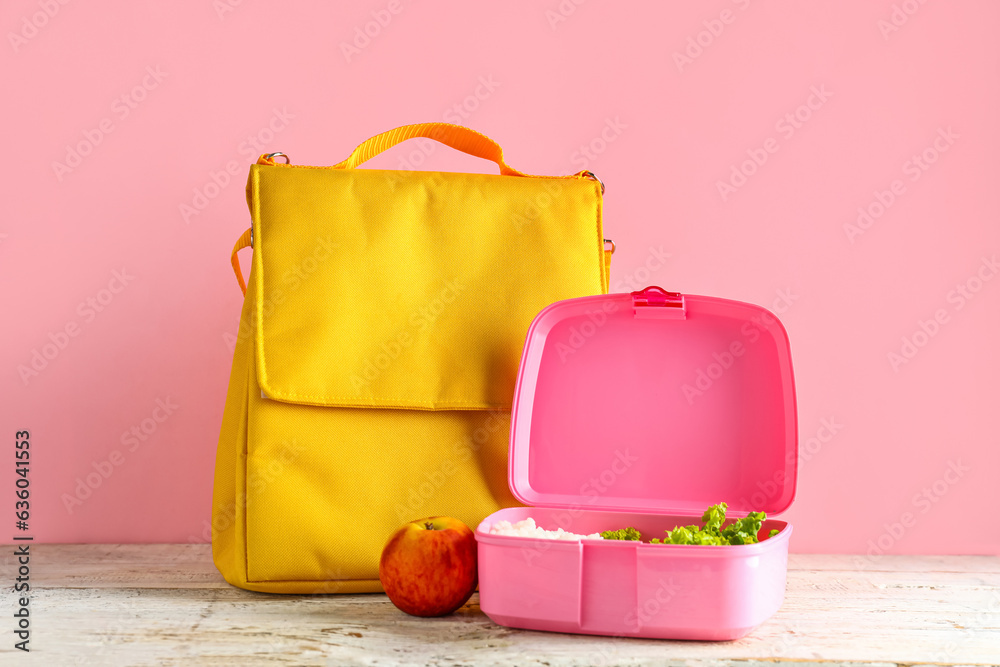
[411, 289]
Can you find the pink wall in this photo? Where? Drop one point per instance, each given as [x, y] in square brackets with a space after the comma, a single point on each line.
[886, 106]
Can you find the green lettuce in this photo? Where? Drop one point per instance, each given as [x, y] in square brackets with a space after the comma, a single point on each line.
[741, 531]
[630, 534]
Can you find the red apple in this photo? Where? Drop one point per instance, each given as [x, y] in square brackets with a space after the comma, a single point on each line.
[428, 567]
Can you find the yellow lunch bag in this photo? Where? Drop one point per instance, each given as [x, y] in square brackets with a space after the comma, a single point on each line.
[378, 347]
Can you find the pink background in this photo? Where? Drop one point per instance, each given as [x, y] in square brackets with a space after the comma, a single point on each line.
[662, 133]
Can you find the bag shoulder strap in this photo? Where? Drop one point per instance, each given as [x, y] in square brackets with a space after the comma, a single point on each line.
[245, 241]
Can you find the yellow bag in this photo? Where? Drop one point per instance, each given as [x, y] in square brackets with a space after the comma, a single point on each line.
[379, 342]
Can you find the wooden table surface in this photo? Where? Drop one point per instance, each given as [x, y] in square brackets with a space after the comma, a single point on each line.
[160, 604]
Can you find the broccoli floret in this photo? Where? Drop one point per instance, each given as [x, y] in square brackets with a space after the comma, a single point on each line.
[630, 534]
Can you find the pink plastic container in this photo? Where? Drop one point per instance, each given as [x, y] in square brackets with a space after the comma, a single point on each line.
[642, 410]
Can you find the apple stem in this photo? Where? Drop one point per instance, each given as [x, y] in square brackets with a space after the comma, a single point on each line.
[428, 525]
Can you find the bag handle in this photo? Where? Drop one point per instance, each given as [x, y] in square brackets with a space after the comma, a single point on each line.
[458, 137]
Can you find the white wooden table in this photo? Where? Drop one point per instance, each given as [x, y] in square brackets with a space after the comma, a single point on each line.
[164, 604]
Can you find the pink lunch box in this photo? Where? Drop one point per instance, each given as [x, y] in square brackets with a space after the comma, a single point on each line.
[642, 410]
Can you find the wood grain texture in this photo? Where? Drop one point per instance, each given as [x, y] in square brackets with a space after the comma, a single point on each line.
[159, 604]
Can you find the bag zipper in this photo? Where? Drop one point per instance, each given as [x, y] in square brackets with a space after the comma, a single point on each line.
[268, 159]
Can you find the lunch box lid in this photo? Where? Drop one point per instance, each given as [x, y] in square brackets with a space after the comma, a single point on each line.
[655, 402]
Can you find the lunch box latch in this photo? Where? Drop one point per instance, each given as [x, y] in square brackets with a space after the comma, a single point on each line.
[656, 302]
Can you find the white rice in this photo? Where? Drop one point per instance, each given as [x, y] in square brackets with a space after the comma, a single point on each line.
[527, 528]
